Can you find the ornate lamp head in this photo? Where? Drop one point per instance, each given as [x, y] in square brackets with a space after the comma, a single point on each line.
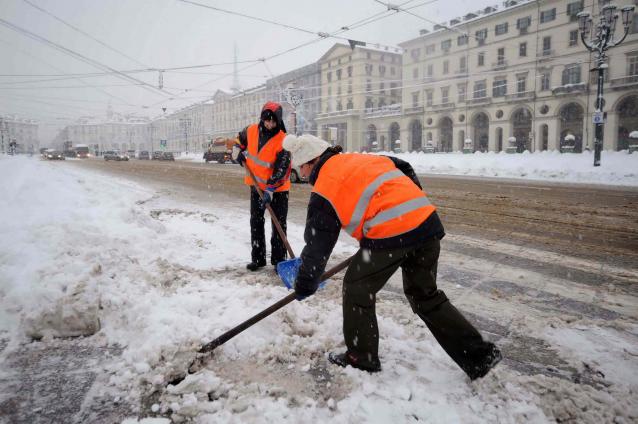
[627, 15]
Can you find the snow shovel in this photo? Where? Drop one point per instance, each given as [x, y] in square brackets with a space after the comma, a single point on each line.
[205, 351]
[288, 271]
[280, 230]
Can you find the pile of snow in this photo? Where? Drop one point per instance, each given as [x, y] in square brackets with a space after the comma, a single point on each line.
[617, 168]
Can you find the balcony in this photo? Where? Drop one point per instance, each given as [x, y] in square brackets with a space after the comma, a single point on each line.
[523, 95]
[580, 87]
[545, 55]
[339, 113]
[479, 100]
[391, 110]
[413, 109]
[623, 82]
[442, 106]
[501, 64]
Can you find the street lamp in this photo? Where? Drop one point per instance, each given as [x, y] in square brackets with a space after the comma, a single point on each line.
[600, 40]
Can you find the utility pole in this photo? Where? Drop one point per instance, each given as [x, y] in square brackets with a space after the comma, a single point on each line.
[601, 39]
[185, 123]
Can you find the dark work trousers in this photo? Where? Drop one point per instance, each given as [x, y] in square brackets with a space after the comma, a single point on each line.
[368, 273]
[279, 205]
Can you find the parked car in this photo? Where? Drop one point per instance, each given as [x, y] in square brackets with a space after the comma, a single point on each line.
[69, 154]
[53, 155]
[144, 155]
[157, 155]
[168, 156]
[115, 155]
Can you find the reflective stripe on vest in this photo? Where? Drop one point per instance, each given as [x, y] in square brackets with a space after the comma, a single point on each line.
[364, 200]
[372, 198]
[395, 212]
[261, 162]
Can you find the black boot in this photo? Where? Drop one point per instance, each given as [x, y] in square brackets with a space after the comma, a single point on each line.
[492, 358]
[254, 266]
[346, 358]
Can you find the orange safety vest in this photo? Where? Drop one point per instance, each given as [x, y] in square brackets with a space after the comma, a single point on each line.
[261, 162]
[372, 198]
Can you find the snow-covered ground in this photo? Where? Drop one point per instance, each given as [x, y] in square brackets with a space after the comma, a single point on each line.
[85, 254]
[617, 168]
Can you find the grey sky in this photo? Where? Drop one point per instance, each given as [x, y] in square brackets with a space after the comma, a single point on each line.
[172, 33]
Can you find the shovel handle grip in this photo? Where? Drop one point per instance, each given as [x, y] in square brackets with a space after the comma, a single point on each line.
[210, 346]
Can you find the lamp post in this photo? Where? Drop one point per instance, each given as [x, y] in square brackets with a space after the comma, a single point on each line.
[599, 39]
[185, 123]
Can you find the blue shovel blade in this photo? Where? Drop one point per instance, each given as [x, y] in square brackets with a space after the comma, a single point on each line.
[288, 271]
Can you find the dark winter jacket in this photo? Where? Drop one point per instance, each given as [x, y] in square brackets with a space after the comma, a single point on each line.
[323, 226]
[282, 162]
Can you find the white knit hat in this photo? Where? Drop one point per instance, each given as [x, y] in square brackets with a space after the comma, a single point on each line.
[304, 148]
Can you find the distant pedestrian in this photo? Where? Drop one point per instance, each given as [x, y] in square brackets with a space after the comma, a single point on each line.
[260, 148]
[379, 201]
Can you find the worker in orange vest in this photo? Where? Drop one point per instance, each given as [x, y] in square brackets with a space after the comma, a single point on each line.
[260, 148]
[378, 200]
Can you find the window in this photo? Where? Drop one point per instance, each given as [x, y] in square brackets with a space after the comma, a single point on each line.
[368, 85]
[415, 99]
[499, 87]
[461, 90]
[501, 29]
[429, 49]
[481, 36]
[349, 105]
[548, 15]
[430, 70]
[480, 89]
[339, 106]
[382, 70]
[392, 70]
[547, 46]
[521, 84]
[462, 65]
[500, 56]
[381, 88]
[446, 44]
[445, 94]
[368, 55]
[369, 104]
[349, 71]
[545, 81]
[573, 38]
[573, 9]
[461, 40]
[393, 89]
[428, 97]
[381, 102]
[415, 54]
[481, 59]
[523, 23]
[632, 65]
[329, 76]
[571, 74]
[349, 87]
[339, 91]
[415, 73]
[522, 49]
[368, 69]
[338, 74]
[446, 66]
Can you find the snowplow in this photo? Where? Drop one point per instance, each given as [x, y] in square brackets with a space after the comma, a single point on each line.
[220, 149]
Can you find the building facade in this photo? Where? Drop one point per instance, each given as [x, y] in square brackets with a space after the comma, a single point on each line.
[24, 132]
[299, 93]
[360, 86]
[515, 76]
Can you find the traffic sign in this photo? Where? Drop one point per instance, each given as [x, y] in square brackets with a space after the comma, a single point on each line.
[597, 118]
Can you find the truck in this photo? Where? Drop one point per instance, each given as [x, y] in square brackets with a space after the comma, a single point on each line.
[220, 150]
[81, 151]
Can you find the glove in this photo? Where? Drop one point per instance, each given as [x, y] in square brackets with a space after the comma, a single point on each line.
[303, 290]
[238, 155]
[266, 198]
